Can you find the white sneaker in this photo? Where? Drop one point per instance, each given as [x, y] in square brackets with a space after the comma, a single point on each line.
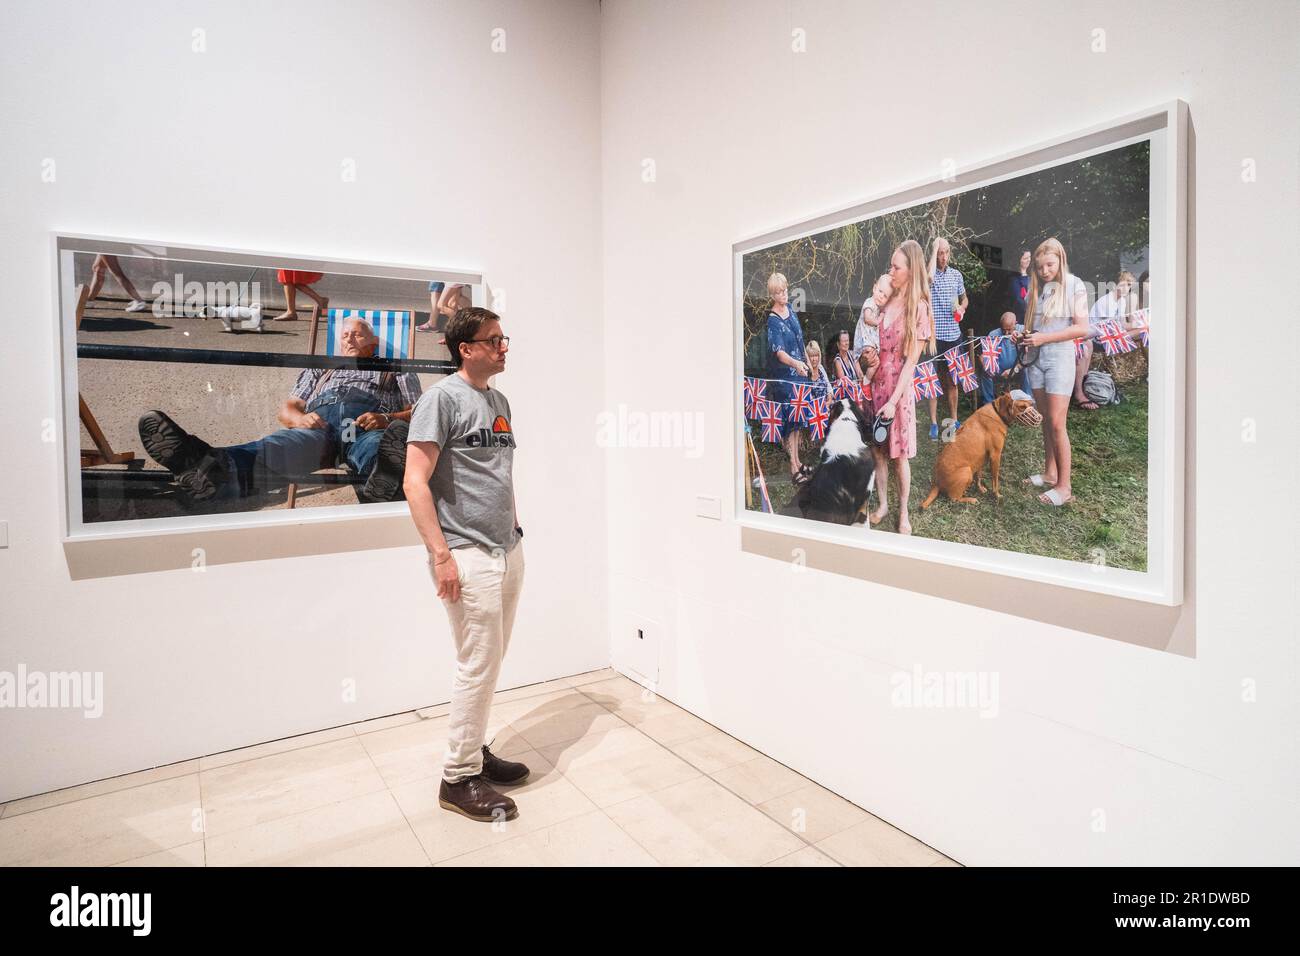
[136, 305]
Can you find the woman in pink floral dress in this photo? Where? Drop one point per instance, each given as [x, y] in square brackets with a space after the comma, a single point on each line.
[905, 326]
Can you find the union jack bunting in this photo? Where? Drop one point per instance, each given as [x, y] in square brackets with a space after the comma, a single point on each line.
[800, 402]
[864, 392]
[925, 382]
[991, 353]
[1142, 319]
[818, 418]
[959, 365]
[1079, 345]
[842, 388]
[755, 392]
[769, 413]
[1114, 339]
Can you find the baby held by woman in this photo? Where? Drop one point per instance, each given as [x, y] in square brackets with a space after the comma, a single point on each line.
[866, 337]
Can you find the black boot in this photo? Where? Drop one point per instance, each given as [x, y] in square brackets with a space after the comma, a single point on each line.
[385, 481]
[197, 468]
[501, 771]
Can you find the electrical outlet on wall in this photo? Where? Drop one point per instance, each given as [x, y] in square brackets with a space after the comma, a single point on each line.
[636, 648]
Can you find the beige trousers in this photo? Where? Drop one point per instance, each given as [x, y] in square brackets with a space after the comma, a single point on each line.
[481, 621]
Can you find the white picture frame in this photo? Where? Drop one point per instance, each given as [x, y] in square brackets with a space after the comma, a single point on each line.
[63, 245]
[1162, 581]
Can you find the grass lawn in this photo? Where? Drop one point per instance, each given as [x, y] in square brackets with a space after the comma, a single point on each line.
[1107, 519]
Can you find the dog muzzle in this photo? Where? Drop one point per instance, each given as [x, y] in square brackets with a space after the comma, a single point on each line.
[1030, 417]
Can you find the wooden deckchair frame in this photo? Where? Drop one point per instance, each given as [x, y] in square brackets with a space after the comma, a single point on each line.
[102, 453]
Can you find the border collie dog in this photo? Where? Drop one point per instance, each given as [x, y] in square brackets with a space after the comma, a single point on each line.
[839, 489]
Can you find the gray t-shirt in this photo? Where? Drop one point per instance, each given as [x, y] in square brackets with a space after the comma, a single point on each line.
[472, 483]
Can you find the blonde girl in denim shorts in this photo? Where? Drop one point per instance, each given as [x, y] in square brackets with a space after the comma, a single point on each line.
[1056, 313]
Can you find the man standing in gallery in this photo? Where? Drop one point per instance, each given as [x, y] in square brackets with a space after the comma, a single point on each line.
[460, 489]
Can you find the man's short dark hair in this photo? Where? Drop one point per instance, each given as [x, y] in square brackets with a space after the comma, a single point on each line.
[464, 327]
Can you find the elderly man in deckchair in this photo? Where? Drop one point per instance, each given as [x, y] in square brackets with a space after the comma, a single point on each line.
[332, 416]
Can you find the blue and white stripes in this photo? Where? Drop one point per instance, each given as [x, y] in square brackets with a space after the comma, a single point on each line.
[392, 327]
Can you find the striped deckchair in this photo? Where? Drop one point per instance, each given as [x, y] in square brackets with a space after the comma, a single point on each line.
[396, 331]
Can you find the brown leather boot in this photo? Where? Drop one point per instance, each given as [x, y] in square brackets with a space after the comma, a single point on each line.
[474, 798]
[496, 770]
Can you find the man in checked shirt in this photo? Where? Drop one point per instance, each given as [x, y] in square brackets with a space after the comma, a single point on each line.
[332, 417]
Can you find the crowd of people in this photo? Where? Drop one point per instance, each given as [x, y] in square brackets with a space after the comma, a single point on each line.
[916, 309]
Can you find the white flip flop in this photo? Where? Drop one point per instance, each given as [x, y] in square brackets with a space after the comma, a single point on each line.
[1055, 497]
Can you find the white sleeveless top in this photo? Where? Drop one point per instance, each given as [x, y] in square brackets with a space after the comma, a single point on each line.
[1045, 321]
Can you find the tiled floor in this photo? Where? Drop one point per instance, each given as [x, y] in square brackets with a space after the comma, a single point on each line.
[618, 778]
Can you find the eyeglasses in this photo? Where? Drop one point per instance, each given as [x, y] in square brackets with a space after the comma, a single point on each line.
[496, 341]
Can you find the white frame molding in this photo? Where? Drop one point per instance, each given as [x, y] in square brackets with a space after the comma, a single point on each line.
[1166, 126]
[63, 244]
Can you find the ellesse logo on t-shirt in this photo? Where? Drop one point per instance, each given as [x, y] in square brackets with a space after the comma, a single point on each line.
[498, 436]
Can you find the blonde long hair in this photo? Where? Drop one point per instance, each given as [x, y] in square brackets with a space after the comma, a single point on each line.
[917, 291]
[1056, 304]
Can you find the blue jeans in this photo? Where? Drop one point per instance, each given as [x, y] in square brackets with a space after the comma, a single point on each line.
[987, 383]
[293, 452]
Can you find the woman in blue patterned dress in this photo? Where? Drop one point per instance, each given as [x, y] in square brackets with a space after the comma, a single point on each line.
[786, 362]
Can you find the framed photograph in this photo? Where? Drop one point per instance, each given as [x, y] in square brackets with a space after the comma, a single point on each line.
[1002, 348]
[217, 388]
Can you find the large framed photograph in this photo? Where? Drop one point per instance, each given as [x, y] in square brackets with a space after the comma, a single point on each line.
[216, 388]
[985, 369]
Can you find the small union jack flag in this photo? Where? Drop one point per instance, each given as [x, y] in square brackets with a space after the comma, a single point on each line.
[991, 353]
[1142, 320]
[925, 381]
[800, 402]
[755, 392]
[960, 366]
[1079, 345]
[818, 418]
[769, 413]
[1114, 339]
[842, 388]
[864, 392]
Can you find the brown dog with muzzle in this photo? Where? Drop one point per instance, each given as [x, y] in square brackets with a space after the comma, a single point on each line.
[980, 438]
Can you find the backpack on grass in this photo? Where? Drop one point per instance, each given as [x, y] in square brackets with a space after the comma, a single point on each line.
[1100, 388]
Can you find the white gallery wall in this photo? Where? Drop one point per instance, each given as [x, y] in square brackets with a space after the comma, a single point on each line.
[598, 171]
[465, 158]
[1122, 733]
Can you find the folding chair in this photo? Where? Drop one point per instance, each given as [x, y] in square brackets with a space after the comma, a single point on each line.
[396, 332]
[102, 453]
